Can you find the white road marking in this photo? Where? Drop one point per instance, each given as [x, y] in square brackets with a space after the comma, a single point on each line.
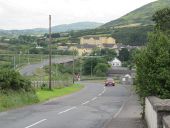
[36, 123]
[100, 94]
[103, 91]
[119, 110]
[94, 98]
[85, 102]
[67, 110]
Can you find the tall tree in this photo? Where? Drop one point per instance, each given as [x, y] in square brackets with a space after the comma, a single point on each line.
[162, 19]
[124, 54]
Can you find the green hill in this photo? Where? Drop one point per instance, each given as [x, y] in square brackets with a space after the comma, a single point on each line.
[140, 16]
[58, 28]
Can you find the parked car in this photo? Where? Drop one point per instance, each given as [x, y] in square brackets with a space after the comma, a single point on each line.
[109, 82]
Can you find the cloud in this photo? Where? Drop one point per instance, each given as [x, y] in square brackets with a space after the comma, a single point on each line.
[20, 14]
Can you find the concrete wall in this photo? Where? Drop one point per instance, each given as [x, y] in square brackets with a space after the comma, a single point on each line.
[150, 115]
[166, 122]
[157, 112]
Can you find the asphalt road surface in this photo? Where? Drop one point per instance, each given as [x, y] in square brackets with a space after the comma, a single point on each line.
[92, 107]
[31, 68]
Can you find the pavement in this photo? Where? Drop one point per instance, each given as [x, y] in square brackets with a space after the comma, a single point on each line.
[129, 115]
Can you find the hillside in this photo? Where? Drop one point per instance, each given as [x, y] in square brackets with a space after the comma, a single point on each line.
[140, 16]
[58, 28]
[76, 26]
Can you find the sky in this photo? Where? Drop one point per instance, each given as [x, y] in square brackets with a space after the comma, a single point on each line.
[27, 14]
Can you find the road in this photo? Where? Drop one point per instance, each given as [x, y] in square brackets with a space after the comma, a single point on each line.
[92, 107]
[31, 68]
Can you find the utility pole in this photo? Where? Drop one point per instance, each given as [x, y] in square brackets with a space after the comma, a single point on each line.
[19, 60]
[50, 52]
[91, 70]
[14, 63]
[28, 57]
[73, 67]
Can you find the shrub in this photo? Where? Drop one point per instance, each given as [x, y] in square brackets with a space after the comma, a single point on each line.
[12, 80]
[101, 69]
[153, 76]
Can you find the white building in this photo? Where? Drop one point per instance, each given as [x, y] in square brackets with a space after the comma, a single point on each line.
[115, 63]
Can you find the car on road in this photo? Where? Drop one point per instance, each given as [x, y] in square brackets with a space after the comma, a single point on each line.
[109, 82]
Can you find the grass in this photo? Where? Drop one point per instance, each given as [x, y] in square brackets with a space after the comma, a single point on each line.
[15, 99]
[44, 95]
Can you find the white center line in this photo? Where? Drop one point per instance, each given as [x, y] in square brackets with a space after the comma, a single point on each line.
[36, 123]
[67, 110]
[85, 102]
[103, 91]
[94, 98]
[100, 94]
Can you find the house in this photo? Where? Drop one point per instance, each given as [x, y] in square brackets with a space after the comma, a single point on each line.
[88, 43]
[115, 63]
[101, 42]
[83, 49]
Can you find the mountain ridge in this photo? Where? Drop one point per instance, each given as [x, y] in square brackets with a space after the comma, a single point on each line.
[57, 28]
[141, 16]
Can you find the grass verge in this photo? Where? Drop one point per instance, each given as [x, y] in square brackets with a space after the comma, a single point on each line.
[15, 99]
[44, 95]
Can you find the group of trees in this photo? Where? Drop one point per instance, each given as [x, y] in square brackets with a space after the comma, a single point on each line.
[134, 36]
[153, 76]
[107, 53]
[95, 66]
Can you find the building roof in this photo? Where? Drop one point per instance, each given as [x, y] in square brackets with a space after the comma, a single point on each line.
[94, 37]
[108, 45]
[120, 71]
[116, 60]
[89, 46]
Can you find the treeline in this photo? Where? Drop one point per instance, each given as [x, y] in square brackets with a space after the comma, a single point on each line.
[134, 36]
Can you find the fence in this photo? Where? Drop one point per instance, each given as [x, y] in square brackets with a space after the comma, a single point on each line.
[54, 84]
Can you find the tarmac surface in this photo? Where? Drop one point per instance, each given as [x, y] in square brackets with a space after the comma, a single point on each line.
[95, 106]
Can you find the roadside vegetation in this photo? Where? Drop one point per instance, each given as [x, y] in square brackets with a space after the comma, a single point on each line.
[153, 76]
[17, 91]
[45, 94]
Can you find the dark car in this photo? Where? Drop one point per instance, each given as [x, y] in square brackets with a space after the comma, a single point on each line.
[109, 82]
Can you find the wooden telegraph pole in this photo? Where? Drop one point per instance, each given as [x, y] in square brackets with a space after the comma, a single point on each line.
[50, 52]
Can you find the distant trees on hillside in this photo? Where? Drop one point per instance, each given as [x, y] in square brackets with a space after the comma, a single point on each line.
[134, 36]
[162, 19]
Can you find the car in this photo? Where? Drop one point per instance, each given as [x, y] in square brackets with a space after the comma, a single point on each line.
[109, 82]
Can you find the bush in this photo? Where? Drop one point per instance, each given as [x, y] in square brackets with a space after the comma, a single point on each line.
[12, 80]
[101, 69]
[153, 76]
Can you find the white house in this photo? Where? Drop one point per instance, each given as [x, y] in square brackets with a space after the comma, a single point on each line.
[115, 63]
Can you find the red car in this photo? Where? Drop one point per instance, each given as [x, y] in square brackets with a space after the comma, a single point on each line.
[109, 82]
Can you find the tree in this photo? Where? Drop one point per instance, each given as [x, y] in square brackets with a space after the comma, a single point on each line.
[162, 18]
[101, 69]
[153, 76]
[12, 80]
[124, 54]
[90, 63]
[109, 54]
